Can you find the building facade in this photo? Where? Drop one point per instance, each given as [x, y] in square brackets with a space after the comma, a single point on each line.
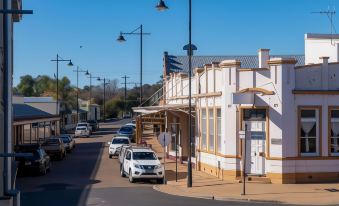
[287, 110]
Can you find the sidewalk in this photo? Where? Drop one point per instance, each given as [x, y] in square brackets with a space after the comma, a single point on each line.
[206, 186]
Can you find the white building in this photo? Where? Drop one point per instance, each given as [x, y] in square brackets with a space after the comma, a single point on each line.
[291, 111]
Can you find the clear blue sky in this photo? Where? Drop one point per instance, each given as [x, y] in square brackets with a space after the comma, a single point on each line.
[220, 27]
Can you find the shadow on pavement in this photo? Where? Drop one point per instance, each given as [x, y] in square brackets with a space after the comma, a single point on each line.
[69, 181]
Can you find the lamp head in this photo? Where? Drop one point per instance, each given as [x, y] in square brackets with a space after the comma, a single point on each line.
[121, 38]
[161, 6]
[70, 63]
[98, 79]
[87, 73]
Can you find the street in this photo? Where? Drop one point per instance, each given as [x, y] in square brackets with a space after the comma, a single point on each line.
[89, 177]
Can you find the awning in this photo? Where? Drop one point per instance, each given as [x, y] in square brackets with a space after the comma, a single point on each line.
[167, 107]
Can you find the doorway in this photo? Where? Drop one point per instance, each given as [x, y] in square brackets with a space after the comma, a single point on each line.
[255, 119]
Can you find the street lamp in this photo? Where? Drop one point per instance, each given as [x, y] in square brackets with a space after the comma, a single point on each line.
[77, 71]
[104, 107]
[121, 39]
[57, 60]
[161, 6]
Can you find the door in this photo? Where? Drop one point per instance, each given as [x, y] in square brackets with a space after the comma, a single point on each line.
[256, 148]
[255, 119]
[127, 161]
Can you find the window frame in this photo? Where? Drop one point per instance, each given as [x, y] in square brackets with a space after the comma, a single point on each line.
[208, 109]
[217, 143]
[330, 109]
[201, 131]
[318, 117]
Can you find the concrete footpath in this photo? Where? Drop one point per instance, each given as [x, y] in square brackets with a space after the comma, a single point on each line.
[209, 187]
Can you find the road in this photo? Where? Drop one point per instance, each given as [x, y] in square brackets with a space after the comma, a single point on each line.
[88, 177]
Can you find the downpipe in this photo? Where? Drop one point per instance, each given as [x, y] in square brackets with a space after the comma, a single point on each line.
[8, 191]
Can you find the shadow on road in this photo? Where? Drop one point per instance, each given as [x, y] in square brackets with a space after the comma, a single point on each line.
[68, 182]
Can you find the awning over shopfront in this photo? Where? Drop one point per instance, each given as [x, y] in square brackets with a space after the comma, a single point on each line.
[160, 108]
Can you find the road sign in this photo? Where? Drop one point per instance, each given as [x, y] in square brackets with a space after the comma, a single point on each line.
[242, 134]
[164, 139]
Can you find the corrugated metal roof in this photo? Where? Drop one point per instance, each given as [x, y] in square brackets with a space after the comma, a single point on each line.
[24, 111]
[39, 100]
[180, 63]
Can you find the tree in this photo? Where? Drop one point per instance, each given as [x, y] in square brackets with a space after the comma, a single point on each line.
[114, 107]
[26, 86]
[42, 84]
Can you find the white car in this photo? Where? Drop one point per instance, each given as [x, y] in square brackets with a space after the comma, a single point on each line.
[85, 124]
[82, 131]
[142, 163]
[116, 144]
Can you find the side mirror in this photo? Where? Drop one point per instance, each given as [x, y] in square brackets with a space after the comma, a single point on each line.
[109, 143]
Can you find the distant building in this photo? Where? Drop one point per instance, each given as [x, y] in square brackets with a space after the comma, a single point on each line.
[288, 103]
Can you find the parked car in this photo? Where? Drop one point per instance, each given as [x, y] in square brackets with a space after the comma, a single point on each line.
[127, 131]
[115, 145]
[68, 142]
[82, 131]
[55, 147]
[94, 124]
[85, 124]
[141, 163]
[40, 162]
[131, 125]
[122, 152]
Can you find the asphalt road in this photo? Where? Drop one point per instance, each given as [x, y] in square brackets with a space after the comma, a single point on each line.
[88, 177]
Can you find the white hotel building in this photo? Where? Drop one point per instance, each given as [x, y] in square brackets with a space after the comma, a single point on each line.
[290, 105]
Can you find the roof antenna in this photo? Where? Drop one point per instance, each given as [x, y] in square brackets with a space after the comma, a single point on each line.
[329, 15]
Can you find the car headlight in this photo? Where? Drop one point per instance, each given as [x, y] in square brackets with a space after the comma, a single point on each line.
[158, 166]
[137, 166]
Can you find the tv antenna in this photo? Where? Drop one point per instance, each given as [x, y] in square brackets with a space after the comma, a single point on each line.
[329, 15]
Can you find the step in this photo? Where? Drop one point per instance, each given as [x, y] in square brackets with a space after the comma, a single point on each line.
[256, 179]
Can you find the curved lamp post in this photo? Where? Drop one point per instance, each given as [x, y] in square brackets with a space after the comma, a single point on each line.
[77, 71]
[161, 6]
[57, 60]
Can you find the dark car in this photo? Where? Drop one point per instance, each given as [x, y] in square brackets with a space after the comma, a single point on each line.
[68, 142]
[127, 131]
[55, 147]
[94, 124]
[39, 163]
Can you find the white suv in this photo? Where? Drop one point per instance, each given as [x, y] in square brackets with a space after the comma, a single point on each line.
[116, 144]
[141, 163]
[81, 131]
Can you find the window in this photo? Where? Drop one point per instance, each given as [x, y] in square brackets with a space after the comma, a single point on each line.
[219, 143]
[309, 132]
[334, 128]
[211, 130]
[203, 129]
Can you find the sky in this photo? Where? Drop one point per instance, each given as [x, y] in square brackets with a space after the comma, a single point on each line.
[86, 32]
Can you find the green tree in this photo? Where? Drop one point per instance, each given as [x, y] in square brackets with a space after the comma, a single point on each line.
[42, 84]
[26, 86]
[114, 107]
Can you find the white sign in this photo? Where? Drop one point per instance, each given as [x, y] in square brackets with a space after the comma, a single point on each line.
[242, 134]
[164, 139]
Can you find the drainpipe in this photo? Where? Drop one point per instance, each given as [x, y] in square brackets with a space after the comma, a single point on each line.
[8, 191]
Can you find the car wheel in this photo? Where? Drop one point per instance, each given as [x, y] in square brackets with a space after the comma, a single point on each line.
[130, 178]
[61, 155]
[110, 156]
[49, 167]
[122, 174]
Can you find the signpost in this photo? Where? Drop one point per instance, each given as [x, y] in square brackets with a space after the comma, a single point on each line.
[164, 139]
[242, 135]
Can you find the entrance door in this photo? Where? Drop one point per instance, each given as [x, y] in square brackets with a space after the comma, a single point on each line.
[256, 127]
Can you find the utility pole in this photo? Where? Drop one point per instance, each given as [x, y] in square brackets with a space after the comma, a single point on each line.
[125, 97]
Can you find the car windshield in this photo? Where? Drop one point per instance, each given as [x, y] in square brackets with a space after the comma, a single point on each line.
[81, 128]
[91, 121]
[52, 141]
[144, 156]
[126, 129]
[120, 141]
[65, 139]
[82, 124]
